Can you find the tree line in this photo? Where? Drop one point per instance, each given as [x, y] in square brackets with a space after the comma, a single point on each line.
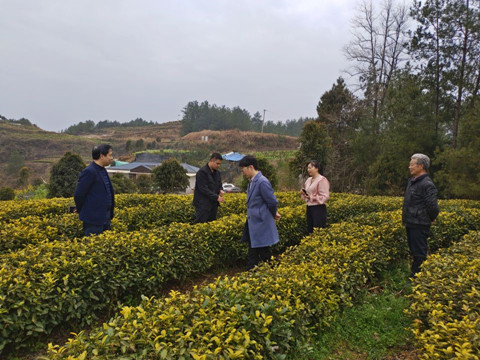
[205, 116]
[415, 90]
[90, 126]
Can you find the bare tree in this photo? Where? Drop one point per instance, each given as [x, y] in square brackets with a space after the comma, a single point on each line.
[379, 39]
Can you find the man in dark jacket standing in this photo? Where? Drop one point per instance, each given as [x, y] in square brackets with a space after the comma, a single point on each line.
[208, 191]
[420, 208]
[94, 197]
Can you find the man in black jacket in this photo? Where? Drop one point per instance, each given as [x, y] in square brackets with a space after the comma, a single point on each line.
[208, 191]
[420, 208]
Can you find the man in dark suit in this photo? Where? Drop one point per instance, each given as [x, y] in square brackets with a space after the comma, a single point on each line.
[208, 191]
[94, 197]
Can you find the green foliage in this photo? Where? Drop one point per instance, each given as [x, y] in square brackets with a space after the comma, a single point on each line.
[122, 185]
[89, 126]
[7, 193]
[56, 278]
[32, 192]
[459, 174]
[445, 302]
[23, 176]
[447, 43]
[314, 145]
[408, 128]
[204, 116]
[64, 175]
[144, 184]
[170, 177]
[374, 326]
[338, 110]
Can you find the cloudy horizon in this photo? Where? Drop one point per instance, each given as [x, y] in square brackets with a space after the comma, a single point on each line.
[66, 62]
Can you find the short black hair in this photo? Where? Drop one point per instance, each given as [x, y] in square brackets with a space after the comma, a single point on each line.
[216, 156]
[317, 165]
[100, 149]
[248, 160]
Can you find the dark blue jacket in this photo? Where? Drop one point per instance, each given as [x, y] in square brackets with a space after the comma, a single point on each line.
[91, 198]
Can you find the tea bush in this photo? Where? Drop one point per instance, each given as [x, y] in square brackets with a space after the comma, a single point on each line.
[266, 313]
[446, 302]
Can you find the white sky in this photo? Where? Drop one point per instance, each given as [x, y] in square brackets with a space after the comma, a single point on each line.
[66, 61]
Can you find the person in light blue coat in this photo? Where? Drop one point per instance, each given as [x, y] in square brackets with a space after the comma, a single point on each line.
[260, 230]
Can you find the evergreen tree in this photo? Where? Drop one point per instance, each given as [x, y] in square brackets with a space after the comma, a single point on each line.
[23, 176]
[6, 194]
[338, 109]
[144, 184]
[64, 175]
[122, 185]
[447, 44]
[170, 177]
[314, 145]
[408, 127]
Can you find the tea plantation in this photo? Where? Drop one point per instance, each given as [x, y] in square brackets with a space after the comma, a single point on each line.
[52, 279]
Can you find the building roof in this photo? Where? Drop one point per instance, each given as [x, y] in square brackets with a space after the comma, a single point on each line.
[233, 156]
[150, 165]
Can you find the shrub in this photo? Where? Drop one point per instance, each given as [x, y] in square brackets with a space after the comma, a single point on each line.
[64, 175]
[446, 302]
[7, 193]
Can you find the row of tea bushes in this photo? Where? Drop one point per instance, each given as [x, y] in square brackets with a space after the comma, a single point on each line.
[21, 232]
[16, 209]
[267, 313]
[235, 203]
[161, 211]
[446, 302]
[444, 231]
[65, 283]
[140, 212]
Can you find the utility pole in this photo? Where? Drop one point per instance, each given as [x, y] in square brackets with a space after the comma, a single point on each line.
[263, 120]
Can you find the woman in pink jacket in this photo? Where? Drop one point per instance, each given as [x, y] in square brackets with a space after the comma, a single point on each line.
[316, 193]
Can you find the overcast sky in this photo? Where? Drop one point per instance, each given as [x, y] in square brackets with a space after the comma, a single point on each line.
[66, 61]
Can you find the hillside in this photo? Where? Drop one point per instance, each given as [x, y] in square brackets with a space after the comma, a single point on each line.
[39, 149]
[236, 140]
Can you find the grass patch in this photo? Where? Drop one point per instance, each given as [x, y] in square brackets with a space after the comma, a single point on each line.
[374, 327]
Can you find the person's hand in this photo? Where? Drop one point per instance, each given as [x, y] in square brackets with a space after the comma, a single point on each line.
[304, 195]
[220, 198]
[222, 192]
[277, 216]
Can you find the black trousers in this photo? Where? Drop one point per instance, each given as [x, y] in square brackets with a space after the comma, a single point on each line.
[316, 217]
[205, 214]
[92, 229]
[417, 243]
[255, 255]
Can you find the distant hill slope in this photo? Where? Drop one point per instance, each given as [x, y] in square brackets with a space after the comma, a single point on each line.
[241, 141]
[40, 149]
[165, 132]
